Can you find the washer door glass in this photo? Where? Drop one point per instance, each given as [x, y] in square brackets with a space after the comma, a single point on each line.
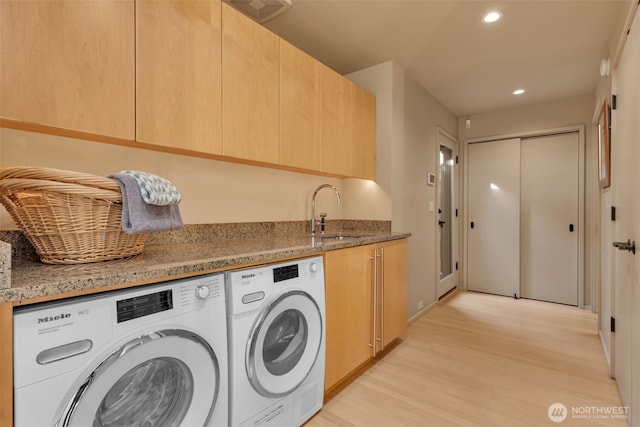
[165, 378]
[156, 392]
[284, 344]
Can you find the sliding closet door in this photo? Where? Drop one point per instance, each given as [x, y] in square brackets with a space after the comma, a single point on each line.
[549, 218]
[493, 245]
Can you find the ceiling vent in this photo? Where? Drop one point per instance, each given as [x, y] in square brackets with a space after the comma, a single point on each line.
[260, 10]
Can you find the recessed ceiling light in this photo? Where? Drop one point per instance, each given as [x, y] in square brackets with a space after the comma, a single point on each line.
[492, 16]
[518, 91]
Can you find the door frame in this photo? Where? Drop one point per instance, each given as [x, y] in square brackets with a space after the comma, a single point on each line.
[445, 138]
[581, 197]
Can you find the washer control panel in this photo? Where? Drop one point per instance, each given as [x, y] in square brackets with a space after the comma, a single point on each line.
[144, 305]
[247, 289]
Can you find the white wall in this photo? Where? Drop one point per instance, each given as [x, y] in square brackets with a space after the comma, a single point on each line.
[545, 115]
[383, 81]
[213, 191]
[408, 118]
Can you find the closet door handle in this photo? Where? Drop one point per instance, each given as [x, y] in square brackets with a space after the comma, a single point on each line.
[571, 228]
[626, 246]
[472, 224]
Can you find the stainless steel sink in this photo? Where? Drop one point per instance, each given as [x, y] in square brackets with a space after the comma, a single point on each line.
[333, 238]
[338, 236]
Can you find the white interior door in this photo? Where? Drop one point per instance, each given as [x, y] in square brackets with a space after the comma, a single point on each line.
[493, 238]
[447, 228]
[549, 216]
[625, 182]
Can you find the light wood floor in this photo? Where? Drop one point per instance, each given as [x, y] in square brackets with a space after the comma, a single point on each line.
[484, 360]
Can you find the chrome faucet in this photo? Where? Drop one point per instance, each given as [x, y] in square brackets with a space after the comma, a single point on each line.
[313, 204]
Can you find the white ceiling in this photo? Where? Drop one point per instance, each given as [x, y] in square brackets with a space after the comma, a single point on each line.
[551, 48]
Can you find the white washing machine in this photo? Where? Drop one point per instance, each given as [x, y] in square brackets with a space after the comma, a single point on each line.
[276, 324]
[148, 356]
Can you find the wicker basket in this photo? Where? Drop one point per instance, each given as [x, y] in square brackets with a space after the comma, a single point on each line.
[69, 217]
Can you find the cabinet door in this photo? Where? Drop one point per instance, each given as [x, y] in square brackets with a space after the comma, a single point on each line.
[69, 64]
[299, 108]
[250, 78]
[335, 119]
[363, 118]
[349, 298]
[6, 364]
[178, 79]
[393, 291]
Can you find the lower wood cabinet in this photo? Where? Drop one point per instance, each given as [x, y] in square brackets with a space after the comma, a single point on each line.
[6, 364]
[366, 305]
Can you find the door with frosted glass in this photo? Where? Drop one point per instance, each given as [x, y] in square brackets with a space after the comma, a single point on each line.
[493, 217]
[447, 221]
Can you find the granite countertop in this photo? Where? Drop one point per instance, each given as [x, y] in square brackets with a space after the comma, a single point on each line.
[30, 279]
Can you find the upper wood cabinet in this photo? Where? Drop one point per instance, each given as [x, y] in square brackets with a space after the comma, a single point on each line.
[348, 126]
[69, 64]
[250, 81]
[363, 120]
[178, 74]
[195, 76]
[336, 127]
[299, 108]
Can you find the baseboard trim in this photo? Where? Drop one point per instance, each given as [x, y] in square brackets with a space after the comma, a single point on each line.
[605, 350]
[422, 312]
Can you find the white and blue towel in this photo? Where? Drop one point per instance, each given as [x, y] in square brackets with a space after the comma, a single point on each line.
[149, 202]
[155, 189]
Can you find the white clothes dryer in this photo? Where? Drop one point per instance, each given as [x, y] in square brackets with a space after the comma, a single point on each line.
[147, 356]
[276, 324]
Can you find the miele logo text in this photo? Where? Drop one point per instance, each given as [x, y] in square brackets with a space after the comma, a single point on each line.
[53, 318]
[248, 276]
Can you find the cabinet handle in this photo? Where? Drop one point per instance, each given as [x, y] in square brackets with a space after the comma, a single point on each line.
[382, 299]
[375, 302]
[372, 344]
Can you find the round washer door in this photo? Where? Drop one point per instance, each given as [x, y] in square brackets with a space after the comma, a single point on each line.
[165, 378]
[284, 344]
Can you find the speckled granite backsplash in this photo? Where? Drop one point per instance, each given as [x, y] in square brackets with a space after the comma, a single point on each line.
[212, 232]
[5, 265]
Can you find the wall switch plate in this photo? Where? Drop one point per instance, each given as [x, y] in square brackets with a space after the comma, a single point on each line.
[431, 206]
[431, 178]
[420, 305]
